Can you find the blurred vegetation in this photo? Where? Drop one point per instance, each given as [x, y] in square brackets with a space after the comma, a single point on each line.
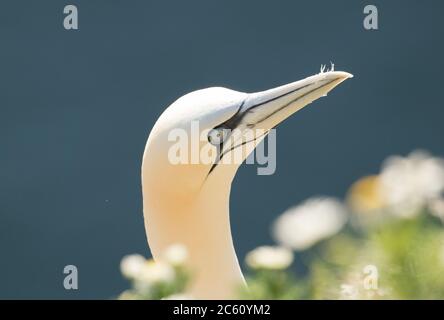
[384, 241]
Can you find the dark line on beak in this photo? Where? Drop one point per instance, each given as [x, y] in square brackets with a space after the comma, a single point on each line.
[238, 116]
[278, 97]
[286, 105]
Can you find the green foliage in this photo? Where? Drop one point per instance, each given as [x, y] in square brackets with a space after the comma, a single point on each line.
[273, 285]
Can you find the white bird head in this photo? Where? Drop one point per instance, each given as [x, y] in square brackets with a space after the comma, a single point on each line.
[187, 201]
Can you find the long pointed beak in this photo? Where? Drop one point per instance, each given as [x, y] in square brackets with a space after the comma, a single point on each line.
[267, 109]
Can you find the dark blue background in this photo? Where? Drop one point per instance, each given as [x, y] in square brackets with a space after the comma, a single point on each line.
[76, 108]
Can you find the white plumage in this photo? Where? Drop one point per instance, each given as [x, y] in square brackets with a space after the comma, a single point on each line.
[189, 203]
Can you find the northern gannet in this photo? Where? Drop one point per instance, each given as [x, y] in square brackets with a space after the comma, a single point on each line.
[189, 203]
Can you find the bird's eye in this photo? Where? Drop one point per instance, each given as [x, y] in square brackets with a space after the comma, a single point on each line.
[217, 135]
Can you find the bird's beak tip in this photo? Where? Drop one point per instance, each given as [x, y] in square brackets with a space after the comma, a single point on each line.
[339, 75]
[345, 75]
[336, 77]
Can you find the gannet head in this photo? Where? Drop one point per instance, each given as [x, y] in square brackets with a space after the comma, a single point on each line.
[206, 127]
[190, 159]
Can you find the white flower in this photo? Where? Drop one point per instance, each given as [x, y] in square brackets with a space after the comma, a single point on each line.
[132, 265]
[316, 219]
[156, 272]
[408, 183]
[176, 254]
[179, 296]
[266, 257]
